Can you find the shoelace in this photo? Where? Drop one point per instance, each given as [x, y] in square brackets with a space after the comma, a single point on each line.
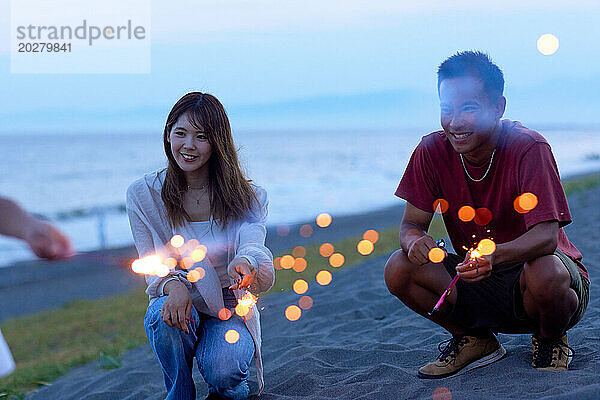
[451, 348]
[544, 354]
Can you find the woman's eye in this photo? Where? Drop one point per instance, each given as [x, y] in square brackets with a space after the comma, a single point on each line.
[202, 137]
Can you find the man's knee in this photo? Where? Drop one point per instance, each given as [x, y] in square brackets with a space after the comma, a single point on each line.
[546, 278]
[397, 272]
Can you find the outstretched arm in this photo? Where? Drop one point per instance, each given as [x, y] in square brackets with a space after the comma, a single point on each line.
[45, 240]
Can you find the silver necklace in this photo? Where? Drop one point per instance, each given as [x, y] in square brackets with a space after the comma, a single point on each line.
[201, 193]
[486, 172]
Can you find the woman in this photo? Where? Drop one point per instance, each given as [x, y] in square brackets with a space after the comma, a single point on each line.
[203, 195]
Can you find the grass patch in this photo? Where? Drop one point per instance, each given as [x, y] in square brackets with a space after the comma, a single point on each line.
[47, 345]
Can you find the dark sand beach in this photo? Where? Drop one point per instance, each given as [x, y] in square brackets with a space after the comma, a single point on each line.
[359, 342]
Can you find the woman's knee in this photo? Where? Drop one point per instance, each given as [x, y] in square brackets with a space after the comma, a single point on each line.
[397, 272]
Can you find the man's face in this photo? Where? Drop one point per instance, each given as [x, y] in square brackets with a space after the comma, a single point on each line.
[467, 115]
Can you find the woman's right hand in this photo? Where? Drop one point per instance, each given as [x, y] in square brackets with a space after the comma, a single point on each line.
[177, 309]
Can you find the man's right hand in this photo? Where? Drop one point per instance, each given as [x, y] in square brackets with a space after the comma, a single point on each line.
[177, 309]
[418, 252]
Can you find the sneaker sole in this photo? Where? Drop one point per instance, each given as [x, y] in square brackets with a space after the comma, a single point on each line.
[483, 361]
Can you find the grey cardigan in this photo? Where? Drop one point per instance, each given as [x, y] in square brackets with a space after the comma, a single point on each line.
[151, 231]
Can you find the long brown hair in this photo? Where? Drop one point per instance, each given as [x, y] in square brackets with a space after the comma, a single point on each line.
[231, 197]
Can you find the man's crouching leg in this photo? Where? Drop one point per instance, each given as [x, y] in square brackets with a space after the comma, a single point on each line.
[419, 287]
[551, 302]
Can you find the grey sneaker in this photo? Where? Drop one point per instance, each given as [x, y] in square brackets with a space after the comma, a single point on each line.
[461, 354]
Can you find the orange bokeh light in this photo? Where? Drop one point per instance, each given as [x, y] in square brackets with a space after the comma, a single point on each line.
[299, 251]
[324, 277]
[300, 264]
[306, 230]
[436, 255]
[187, 262]
[442, 393]
[170, 262]
[466, 213]
[526, 202]
[365, 247]
[277, 263]
[486, 247]
[232, 336]
[326, 249]
[198, 253]
[162, 270]
[371, 235]
[224, 314]
[483, 216]
[293, 313]
[177, 241]
[440, 206]
[305, 302]
[196, 274]
[300, 286]
[336, 260]
[324, 220]
[287, 261]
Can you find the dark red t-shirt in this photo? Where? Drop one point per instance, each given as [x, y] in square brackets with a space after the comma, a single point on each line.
[523, 162]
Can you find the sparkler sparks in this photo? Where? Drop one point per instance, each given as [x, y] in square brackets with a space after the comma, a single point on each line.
[245, 304]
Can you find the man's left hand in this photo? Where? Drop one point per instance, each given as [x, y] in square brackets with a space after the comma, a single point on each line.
[475, 269]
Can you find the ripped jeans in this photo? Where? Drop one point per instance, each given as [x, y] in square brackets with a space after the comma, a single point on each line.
[224, 366]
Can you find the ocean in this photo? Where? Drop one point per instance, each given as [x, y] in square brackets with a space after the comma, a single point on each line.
[71, 179]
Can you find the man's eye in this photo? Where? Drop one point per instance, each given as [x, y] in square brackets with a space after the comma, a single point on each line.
[470, 108]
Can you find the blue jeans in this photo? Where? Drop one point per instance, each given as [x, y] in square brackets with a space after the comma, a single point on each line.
[224, 366]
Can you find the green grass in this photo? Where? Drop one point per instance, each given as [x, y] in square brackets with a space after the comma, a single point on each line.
[47, 345]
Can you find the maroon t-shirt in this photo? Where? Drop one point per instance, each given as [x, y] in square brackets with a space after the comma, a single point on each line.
[523, 163]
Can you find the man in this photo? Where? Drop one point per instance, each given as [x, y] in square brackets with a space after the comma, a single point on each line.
[45, 241]
[491, 179]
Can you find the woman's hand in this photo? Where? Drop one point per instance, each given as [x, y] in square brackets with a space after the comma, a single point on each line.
[46, 241]
[242, 272]
[475, 269]
[177, 309]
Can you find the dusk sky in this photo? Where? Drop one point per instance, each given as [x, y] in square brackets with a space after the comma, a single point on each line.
[256, 55]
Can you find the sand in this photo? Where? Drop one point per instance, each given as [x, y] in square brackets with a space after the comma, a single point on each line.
[359, 342]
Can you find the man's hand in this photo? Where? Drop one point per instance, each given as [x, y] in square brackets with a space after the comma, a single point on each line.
[242, 272]
[46, 241]
[475, 269]
[177, 309]
[418, 253]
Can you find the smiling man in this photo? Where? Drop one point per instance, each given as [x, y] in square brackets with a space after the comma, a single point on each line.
[473, 171]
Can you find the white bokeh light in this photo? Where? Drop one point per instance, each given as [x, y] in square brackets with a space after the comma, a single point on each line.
[547, 44]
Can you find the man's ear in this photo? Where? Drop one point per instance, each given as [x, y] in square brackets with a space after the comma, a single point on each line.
[500, 106]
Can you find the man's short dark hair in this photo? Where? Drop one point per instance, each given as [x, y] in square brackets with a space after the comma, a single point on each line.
[476, 64]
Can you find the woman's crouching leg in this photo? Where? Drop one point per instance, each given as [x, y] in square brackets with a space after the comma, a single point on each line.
[174, 350]
[223, 361]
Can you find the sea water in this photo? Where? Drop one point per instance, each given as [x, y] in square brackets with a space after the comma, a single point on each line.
[71, 179]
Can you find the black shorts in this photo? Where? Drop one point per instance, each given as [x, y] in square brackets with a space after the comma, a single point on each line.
[496, 303]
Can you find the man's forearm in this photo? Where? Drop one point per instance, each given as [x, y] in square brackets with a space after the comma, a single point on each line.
[408, 234]
[14, 221]
[538, 241]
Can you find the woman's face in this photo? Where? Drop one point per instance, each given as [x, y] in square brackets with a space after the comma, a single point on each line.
[189, 145]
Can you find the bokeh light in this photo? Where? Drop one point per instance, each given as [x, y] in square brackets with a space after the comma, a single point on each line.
[442, 393]
[245, 304]
[486, 247]
[324, 277]
[324, 220]
[293, 313]
[336, 260]
[177, 241]
[365, 247]
[300, 286]
[306, 230]
[196, 274]
[305, 302]
[326, 249]
[283, 230]
[371, 235]
[287, 261]
[162, 270]
[170, 262]
[299, 251]
[440, 206]
[277, 263]
[526, 202]
[224, 314]
[187, 262]
[198, 253]
[300, 264]
[547, 44]
[483, 216]
[436, 255]
[232, 336]
[466, 213]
